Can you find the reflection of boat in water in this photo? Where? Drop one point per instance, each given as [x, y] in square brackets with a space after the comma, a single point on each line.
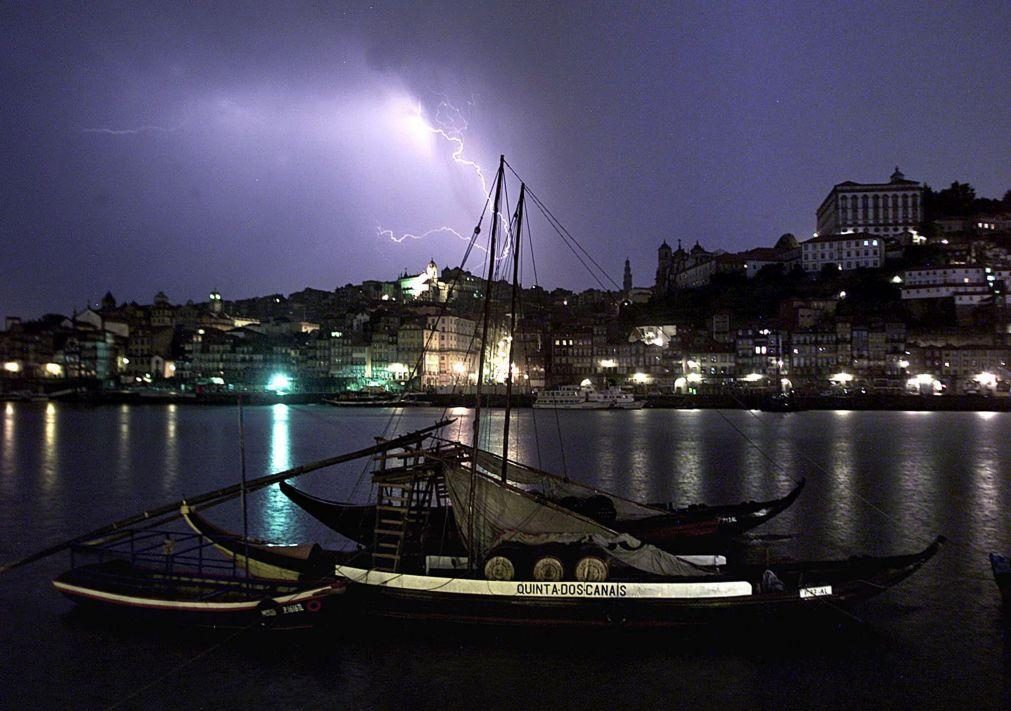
[586, 397]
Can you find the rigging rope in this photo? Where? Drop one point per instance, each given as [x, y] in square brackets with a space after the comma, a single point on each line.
[567, 236]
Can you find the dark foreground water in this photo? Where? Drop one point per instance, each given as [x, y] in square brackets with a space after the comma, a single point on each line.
[878, 482]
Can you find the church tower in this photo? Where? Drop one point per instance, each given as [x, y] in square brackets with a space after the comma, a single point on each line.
[627, 282]
[663, 268]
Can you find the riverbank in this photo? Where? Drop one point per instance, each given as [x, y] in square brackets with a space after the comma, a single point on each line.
[940, 403]
[728, 401]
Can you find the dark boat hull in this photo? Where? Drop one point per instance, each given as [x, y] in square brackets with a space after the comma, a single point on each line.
[694, 529]
[357, 522]
[1001, 566]
[810, 589]
[118, 588]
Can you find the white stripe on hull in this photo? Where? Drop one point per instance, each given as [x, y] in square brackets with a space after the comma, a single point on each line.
[527, 589]
[155, 604]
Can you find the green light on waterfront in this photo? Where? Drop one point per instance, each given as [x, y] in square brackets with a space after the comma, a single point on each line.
[279, 383]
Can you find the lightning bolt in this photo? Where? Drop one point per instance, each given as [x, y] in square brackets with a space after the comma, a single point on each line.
[450, 124]
[407, 235]
[130, 131]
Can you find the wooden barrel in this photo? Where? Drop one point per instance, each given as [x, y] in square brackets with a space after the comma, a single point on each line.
[591, 569]
[548, 568]
[498, 567]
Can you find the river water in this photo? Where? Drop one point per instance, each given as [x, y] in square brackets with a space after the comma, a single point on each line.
[878, 483]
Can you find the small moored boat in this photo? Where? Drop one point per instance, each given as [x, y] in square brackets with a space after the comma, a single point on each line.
[165, 577]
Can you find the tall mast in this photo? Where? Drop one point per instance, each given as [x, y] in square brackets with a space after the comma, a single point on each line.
[517, 235]
[242, 491]
[499, 179]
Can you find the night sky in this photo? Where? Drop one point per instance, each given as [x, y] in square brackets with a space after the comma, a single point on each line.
[256, 148]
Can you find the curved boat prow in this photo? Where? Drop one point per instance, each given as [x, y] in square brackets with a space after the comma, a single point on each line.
[263, 560]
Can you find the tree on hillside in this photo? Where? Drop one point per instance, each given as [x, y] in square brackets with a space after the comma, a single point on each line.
[959, 200]
[954, 201]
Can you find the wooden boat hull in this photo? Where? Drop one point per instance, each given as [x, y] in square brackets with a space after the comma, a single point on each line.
[693, 529]
[357, 522]
[120, 588]
[810, 589]
[263, 560]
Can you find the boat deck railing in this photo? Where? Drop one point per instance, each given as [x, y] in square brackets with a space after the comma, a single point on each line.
[172, 552]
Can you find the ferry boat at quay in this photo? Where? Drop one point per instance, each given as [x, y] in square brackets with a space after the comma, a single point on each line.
[586, 397]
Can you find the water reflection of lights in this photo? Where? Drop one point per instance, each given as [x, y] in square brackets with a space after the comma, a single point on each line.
[842, 466]
[918, 472]
[277, 510]
[639, 460]
[984, 488]
[171, 444]
[690, 460]
[280, 443]
[986, 415]
[123, 442]
[608, 436]
[50, 451]
[8, 440]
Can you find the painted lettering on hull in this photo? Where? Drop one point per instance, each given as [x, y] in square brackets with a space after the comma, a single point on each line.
[290, 609]
[821, 591]
[572, 589]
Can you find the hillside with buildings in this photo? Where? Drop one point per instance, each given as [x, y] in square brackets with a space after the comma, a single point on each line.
[901, 289]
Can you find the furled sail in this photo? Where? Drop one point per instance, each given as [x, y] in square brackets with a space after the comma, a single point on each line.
[556, 488]
[500, 512]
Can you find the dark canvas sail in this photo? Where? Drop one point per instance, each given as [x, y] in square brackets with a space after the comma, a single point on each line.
[556, 488]
[501, 513]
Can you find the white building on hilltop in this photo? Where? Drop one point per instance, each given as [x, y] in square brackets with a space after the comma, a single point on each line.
[887, 209]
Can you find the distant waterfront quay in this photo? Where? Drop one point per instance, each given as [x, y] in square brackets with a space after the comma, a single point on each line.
[910, 403]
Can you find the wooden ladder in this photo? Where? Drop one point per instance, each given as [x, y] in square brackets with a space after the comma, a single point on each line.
[401, 510]
[393, 504]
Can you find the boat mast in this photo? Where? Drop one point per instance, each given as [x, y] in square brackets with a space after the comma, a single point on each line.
[499, 179]
[516, 240]
[242, 491]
